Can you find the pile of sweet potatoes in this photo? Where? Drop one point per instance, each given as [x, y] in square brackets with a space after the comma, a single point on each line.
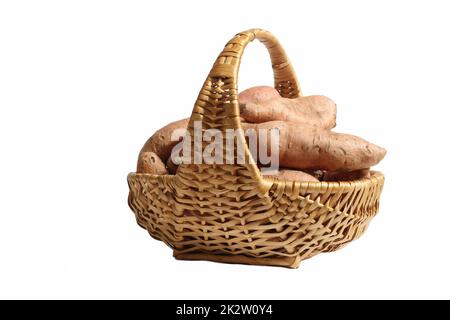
[308, 149]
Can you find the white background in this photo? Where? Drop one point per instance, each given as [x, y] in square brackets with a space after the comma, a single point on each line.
[83, 84]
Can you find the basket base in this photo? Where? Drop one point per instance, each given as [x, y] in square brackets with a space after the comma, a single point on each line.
[288, 262]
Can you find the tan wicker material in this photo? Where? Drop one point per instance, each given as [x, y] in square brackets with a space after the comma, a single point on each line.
[230, 213]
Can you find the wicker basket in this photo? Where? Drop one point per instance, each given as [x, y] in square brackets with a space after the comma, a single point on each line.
[231, 213]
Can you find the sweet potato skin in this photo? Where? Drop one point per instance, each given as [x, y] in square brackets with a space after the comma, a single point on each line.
[292, 175]
[171, 167]
[160, 142]
[311, 147]
[258, 94]
[313, 110]
[150, 162]
[346, 175]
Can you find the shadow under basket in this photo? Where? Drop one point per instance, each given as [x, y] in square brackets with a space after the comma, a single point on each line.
[229, 212]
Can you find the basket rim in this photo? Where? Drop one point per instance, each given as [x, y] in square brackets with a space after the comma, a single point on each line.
[375, 177]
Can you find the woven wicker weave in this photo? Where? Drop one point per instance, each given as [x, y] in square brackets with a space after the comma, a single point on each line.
[230, 213]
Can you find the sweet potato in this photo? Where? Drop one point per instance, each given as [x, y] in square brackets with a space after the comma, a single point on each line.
[316, 173]
[149, 162]
[171, 167]
[292, 175]
[309, 147]
[313, 110]
[346, 175]
[258, 94]
[161, 143]
[301, 146]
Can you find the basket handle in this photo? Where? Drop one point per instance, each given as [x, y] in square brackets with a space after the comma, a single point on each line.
[229, 60]
[217, 105]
